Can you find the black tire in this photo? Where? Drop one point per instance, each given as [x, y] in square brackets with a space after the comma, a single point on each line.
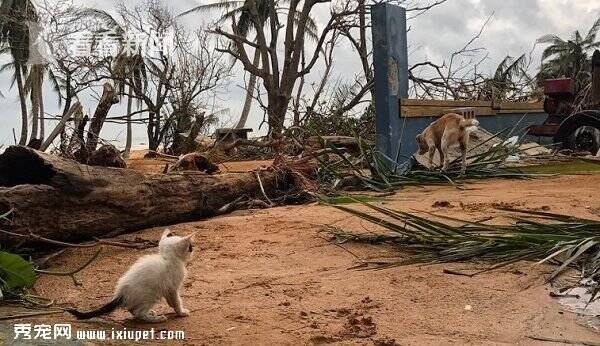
[585, 138]
[580, 132]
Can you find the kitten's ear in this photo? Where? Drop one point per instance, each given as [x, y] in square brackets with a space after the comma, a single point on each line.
[190, 236]
[165, 234]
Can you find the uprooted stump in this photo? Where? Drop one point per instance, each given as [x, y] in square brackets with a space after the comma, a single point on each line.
[107, 156]
[61, 199]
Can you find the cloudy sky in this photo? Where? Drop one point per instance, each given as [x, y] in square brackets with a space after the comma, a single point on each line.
[513, 30]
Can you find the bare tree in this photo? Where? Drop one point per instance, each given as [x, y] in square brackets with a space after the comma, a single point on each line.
[173, 84]
[200, 73]
[279, 72]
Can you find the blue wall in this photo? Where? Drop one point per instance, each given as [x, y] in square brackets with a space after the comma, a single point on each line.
[493, 124]
[395, 134]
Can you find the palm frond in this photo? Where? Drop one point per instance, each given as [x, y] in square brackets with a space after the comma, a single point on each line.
[103, 16]
[55, 85]
[558, 238]
[220, 5]
[550, 38]
[593, 32]
[312, 31]
[377, 172]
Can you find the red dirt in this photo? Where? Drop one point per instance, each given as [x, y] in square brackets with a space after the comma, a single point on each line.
[273, 277]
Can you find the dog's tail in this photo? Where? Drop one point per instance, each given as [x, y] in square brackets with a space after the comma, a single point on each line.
[469, 124]
[105, 309]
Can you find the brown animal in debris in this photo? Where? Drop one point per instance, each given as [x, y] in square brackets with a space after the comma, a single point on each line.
[194, 162]
[448, 130]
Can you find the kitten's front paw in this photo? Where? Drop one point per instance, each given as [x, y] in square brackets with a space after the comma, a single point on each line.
[161, 318]
[183, 313]
[152, 318]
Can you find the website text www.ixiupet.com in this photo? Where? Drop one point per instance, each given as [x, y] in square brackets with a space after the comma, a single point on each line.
[64, 331]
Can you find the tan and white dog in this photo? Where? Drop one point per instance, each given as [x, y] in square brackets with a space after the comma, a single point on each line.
[450, 129]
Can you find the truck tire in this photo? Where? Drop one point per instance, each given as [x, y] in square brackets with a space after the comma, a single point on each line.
[585, 138]
[580, 132]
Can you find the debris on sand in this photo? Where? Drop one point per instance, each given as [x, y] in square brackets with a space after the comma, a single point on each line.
[481, 142]
[580, 300]
[442, 204]
[194, 162]
[358, 326]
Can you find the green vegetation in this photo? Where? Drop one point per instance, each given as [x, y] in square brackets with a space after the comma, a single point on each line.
[573, 167]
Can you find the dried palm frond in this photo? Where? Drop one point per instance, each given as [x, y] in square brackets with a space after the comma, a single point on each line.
[375, 171]
[536, 236]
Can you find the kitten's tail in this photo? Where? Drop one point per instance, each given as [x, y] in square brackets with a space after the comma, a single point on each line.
[105, 309]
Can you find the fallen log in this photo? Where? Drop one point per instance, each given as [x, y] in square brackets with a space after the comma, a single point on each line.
[61, 199]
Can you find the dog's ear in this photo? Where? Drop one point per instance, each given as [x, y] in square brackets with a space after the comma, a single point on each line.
[419, 140]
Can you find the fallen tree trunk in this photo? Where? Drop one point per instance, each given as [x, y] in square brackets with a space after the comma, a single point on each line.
[64, 200]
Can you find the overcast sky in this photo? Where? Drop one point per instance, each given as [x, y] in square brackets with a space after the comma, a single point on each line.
[513, 30]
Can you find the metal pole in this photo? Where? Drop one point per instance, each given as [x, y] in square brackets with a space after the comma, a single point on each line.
[390, 60]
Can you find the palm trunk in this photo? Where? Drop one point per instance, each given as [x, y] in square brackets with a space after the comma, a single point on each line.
[35, 111]
[108, 99]
[42, 113]
[24, 124]
[249, 94]
[61, 125]
[129, 129]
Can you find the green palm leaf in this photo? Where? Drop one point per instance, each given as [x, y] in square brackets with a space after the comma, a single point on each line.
[16, 272]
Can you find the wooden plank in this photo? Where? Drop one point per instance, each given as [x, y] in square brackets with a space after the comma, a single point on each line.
[425, 108]
[439, 111]
[444, 103]
[522, 105]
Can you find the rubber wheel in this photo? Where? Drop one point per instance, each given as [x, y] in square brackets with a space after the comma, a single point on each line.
[585, 138]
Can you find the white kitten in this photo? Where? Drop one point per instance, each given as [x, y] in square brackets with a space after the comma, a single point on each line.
[149, 279]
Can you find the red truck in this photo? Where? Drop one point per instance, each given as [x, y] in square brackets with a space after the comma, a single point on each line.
[574, 129]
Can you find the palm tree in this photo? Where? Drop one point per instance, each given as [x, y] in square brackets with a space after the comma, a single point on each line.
[569, 58]
[507, 81]
[14, 38]
[33, 87]
[244, 21]
[131, 69]
[241, 10]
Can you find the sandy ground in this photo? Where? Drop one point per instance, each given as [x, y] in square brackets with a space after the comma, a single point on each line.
[274, 277]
